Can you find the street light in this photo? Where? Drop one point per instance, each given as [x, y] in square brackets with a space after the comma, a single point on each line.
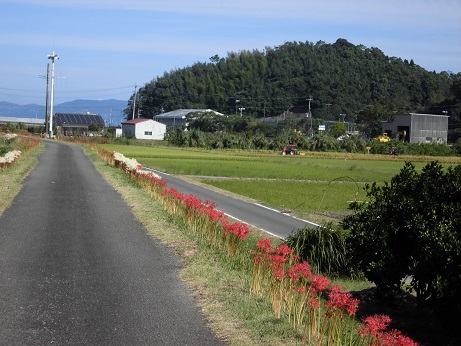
[241, 109]
[236, 102]
[53, 57]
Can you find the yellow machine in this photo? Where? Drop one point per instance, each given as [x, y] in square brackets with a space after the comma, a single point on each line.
[384, 138]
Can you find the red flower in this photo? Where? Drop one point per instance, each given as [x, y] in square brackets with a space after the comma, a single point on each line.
[319, 283]
[265, 245]
[313, 303]
[301, 289]
[374, 325]
[342, 300]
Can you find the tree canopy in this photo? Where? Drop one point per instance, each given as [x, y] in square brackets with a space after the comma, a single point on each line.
[339, 78]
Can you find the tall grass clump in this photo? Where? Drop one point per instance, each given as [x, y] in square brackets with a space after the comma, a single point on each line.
[323, 247]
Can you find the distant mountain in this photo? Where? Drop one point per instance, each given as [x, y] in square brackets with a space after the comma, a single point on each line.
[8, 109]
[111, 110]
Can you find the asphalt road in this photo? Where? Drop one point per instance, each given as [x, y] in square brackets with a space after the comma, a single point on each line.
[76, 268]
[271, 221]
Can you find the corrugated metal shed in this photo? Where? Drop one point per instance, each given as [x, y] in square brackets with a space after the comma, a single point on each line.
[419, 128]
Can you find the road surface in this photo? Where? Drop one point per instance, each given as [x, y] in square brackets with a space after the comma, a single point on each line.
[76, 268]
[269, 220]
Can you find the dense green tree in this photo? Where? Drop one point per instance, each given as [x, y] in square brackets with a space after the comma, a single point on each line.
[339, 129]
[411, 228]
[347, 77]
[370, 119]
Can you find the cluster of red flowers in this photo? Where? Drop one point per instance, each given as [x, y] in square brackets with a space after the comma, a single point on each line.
[281, 264]
[342, 301]
[203, 217]
[376, 329]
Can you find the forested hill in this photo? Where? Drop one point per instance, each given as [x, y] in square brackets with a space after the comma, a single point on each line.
[341, 78]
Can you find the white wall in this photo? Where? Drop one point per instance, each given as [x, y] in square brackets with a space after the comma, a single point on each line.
[148, 129]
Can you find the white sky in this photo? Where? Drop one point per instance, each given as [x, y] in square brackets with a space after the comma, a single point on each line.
[108, 46]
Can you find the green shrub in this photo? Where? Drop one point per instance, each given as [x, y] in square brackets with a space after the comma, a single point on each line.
[411, 227]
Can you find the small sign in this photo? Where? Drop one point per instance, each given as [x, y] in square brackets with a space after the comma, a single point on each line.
[321, 127]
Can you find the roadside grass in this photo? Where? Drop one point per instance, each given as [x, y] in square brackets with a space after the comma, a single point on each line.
[11, 178]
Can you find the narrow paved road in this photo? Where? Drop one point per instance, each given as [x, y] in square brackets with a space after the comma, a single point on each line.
[76, 268]
[269, 220]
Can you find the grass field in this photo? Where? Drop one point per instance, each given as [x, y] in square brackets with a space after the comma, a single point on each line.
[317, 183]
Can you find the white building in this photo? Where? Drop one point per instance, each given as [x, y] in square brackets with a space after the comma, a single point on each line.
[142, 128]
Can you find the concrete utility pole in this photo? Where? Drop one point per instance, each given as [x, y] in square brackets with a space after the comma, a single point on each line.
[134, 101]
[53, 57]
[310, 115]
[47, 102]
[236, 102]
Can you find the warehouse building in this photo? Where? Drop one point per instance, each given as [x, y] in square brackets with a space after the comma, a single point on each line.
[418, 128]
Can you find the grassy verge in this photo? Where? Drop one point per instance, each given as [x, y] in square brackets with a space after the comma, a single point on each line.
[12, 177]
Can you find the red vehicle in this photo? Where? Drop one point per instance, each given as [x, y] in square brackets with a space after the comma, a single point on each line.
[290, 149]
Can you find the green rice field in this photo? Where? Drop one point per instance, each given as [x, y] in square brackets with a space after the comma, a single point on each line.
[316, 183]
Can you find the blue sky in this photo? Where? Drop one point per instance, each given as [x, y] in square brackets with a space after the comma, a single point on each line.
[106, 47]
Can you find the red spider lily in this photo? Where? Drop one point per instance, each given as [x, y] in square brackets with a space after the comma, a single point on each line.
[240, 229]
[313, 303]
[209, 204]
[279, 273]
[300, 270]
[265, 245]
[396, 338]
[319, 283]
[216, 215]
[374, 325]
[342, 300]
[301, 289]
[284, 250]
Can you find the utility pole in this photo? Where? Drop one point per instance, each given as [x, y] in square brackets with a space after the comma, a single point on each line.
[134, 101]
[328, 110]
[47, 102]
[310, 115]
[53, 57]
[236, 102]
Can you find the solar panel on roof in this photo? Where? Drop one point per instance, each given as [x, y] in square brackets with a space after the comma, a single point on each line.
[79, 119]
